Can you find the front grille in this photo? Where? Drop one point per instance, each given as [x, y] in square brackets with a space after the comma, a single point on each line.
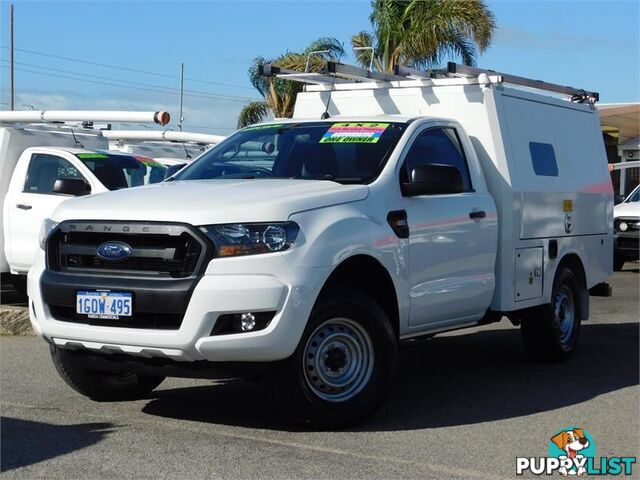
[628, 243]
[157, 321]
[173, 251]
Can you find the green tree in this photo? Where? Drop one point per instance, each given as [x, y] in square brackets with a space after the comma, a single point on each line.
[280, 95]
[421, 33]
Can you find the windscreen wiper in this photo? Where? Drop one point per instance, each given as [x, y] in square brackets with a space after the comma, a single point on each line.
[333, 178]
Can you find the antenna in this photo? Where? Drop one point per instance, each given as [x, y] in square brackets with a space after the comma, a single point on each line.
[325, 114]
[75, 139]
[186, 152]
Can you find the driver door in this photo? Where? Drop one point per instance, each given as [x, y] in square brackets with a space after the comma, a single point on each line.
[452, 240]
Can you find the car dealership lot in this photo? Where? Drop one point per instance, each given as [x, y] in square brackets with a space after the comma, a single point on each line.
[460, 408]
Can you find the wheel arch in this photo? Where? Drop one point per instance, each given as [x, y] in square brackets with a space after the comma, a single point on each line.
[573, 262]
[366, 273]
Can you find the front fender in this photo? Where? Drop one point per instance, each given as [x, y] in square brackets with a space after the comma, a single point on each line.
[334, 234]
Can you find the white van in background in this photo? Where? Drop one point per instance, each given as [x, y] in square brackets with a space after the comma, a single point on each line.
[47, 162]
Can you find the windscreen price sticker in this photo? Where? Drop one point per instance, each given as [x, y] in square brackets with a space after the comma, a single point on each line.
[354, 133]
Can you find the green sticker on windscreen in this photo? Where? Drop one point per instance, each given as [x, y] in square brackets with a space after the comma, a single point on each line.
[261, 127]
[354, 132]
[85, 156]
[149, 162]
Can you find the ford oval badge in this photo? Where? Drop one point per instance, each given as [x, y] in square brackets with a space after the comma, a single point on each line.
[113, 251]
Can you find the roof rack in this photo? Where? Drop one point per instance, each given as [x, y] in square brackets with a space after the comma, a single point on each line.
[340, 73]
[577, 95]
[57, 116]
[124, 136]
[332, 72]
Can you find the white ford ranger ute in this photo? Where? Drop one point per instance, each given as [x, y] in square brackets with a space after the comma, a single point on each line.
[305, 250]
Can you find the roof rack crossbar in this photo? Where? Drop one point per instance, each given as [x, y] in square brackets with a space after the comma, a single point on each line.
[270, 70]
[577, 95]
[411, 72]
[314, 78]
[333, 72]
[359, 73]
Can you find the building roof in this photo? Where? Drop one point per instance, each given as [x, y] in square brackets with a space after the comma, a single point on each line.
[621, 120]
[633, 144]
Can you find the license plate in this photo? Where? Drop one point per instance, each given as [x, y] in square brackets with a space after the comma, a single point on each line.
[104, 305]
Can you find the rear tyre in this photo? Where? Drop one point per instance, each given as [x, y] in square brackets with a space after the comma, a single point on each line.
[99, 385]
[344, 364]
[550, 332]
[618, 263]
[20, 284]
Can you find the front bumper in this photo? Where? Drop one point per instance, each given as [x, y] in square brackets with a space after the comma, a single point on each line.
[224, 288]
[627, 245]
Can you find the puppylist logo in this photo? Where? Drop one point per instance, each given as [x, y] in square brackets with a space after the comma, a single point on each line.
[572, 451]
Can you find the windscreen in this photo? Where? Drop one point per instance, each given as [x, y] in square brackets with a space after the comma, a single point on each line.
[345, 152]
[123, 171]
[634, 197]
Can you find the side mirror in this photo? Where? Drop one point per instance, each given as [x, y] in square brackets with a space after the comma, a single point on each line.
[72, 186]
[618, 199]
[433, 179]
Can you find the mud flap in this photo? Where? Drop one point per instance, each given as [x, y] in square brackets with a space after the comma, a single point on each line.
[583, 304]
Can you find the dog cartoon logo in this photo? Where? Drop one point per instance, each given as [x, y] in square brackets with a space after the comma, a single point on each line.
[572, 444]
[572, 452]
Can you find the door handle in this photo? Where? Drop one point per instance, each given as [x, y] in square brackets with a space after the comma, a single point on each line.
[22, 206]
[477, 214]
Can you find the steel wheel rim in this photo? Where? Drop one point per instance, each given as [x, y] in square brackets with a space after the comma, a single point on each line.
[565, 313]
[338, 360]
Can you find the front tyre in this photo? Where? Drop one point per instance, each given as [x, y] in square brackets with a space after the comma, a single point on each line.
[344, 363]
[99, 385]
[20, 284]
[550, 332]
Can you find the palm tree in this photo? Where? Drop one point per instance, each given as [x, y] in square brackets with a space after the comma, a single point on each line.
[420, 33]
[280, 95]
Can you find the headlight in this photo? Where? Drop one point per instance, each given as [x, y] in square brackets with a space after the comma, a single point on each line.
[47, 226]
[251, 238]
[620, 225]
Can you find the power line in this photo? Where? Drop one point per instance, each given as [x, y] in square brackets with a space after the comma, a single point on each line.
[134, 70]
[118, 85]
[164, 90]
[111, 79]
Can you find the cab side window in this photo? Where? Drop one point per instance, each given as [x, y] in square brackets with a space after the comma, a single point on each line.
[44, 170]
[440, 146]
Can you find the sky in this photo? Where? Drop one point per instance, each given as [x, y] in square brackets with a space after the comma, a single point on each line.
[127, 54]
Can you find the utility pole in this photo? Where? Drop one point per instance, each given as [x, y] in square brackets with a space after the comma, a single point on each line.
[181, 120]
[11, 80]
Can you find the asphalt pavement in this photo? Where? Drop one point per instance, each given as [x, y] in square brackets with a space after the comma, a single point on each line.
[464, 406]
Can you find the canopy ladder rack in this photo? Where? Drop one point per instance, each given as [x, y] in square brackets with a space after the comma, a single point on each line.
[332, 72]
[577, 95]
[340, 73]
